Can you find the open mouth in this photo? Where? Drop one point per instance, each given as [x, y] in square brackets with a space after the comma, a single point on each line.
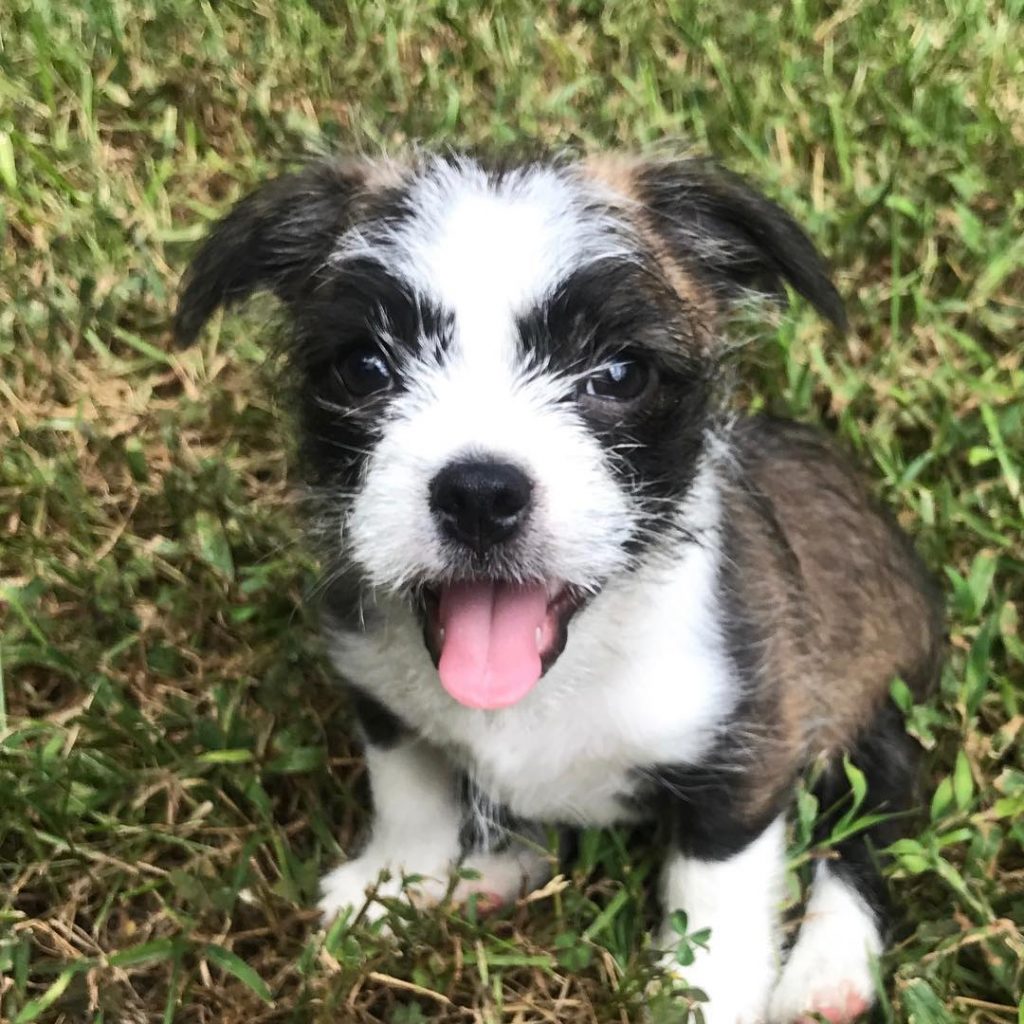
[491, 640]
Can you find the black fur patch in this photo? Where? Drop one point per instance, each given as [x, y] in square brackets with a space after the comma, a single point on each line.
[889, 758]
[617, 307]
[281, 239]
[486, 825]
[380, 726]
[362, 302]
[703, 807]
[341, 597]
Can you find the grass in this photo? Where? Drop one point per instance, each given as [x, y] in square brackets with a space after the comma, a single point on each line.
[175, 768]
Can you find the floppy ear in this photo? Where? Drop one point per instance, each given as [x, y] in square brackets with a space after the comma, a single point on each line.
[276, 239]
[729, 235]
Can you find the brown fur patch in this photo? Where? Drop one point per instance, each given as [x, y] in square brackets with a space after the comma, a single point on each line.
[834, 601]
[618, 173]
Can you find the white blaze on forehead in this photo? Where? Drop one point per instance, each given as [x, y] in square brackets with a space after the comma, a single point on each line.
[506, 243]
[487, 248]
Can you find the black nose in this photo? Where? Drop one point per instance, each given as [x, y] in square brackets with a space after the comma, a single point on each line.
[480, 503]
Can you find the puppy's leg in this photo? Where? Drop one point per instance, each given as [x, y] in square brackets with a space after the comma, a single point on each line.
[415, 829]
[828, 971]
[730, 884]
[427, 821]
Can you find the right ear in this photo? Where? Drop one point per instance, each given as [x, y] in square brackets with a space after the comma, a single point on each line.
[276, 239]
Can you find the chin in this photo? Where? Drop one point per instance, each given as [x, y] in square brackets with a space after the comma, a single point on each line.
[571, 584]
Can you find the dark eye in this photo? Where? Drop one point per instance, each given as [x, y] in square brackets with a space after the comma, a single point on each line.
[622, 379]
[364, 371]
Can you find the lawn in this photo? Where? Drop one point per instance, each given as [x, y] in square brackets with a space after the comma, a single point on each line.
[175, 762]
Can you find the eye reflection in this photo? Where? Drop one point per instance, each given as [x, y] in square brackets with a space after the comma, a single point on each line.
[364, 370]
[620, 380]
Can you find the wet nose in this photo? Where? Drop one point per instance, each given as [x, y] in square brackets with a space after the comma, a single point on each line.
[480, 503]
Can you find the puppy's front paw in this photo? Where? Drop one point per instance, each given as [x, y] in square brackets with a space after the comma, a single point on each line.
[829, 970]
[501, 878]
[362, 882]
[498, 878]
[833, 981]
[348, 889]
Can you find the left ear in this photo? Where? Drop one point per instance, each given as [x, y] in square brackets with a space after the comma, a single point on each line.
[276, 239]
[730, 236]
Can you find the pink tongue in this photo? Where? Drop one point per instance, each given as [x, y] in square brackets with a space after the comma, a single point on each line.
[489, 654]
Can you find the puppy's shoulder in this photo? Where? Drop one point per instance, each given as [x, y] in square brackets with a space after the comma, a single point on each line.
[796, 484]
[826, 567]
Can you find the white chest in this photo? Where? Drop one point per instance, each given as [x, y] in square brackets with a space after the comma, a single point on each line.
[642, 681]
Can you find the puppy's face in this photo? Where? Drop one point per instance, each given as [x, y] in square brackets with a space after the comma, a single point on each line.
[504, 375]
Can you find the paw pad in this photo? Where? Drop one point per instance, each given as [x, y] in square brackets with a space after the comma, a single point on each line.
[842, 1007]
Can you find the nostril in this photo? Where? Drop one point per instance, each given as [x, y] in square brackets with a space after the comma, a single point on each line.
[509, 500]
[480, 503]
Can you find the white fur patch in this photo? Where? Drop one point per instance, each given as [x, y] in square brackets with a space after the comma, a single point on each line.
[829, 968]
[738, 900]
[416, 832]
[487, 246]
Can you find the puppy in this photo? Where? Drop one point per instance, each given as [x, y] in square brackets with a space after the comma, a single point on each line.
[565, 585]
